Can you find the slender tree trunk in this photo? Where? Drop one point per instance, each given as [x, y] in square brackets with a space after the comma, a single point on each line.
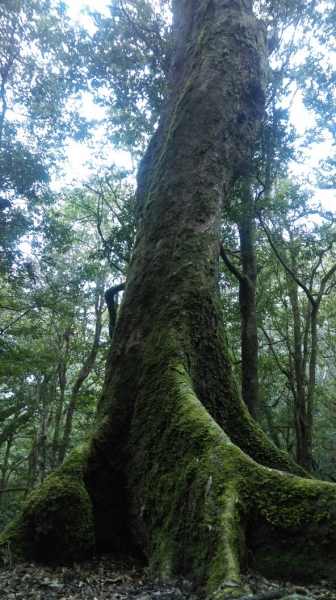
[247, 304]
[44, 387]
[37, 449]
[63, 350]
[81, 377]
[247, 278]
[299, 377]
[4, 468]
[301, 383]
[311, 388]
[163, 468]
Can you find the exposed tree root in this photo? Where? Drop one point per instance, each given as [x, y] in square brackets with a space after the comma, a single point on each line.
[197, 504]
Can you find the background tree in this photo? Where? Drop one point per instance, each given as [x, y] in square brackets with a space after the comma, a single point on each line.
[313, 248]
[247, 278]
[54, 331]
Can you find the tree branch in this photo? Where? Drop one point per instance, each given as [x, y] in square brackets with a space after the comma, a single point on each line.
[15, 320]
[143, 38]
[285, 265]
[230, 265]
[275, 356]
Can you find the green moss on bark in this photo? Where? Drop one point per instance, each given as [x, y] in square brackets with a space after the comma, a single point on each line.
[291, 524]
[186, 477]
[55, 524]
[199, 503]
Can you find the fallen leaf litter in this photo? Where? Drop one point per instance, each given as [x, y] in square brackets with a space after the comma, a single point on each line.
[120, 578]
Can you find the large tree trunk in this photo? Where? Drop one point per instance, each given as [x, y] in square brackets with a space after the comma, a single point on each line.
[166, 467]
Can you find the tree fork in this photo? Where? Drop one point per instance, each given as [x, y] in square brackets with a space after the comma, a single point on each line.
[176, 464]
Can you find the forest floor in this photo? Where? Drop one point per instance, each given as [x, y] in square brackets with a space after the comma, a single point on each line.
[121, 578]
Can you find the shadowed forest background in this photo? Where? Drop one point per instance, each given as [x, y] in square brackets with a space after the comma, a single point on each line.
[63, 247]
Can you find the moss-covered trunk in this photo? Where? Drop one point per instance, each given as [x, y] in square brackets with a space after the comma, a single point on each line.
[176, 465]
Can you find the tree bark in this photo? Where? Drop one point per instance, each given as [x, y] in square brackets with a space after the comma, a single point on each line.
[163, 468]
